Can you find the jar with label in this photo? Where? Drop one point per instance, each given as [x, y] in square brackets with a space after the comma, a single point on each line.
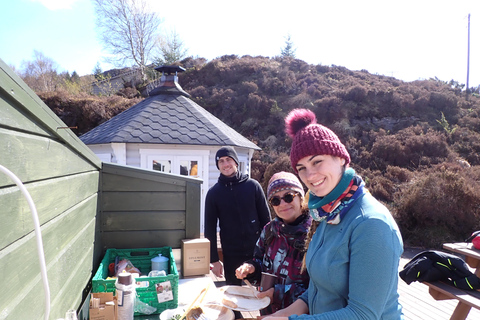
[125, 293]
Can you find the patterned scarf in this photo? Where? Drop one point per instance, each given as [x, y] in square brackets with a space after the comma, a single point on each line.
[335, 205]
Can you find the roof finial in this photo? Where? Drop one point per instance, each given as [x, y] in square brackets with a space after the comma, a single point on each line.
[169, 69]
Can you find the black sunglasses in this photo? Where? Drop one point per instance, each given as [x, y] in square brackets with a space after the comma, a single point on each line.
[287, 197]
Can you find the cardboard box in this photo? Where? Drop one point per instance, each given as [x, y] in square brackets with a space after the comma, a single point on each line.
[107, 309]
[195, 257]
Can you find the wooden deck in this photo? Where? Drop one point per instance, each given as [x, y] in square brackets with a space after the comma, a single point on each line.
[415, 299]
[417, 302]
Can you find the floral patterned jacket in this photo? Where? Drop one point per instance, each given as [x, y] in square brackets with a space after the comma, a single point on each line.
[279, 251]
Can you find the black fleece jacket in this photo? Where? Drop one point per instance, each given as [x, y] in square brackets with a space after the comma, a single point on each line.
[238, 203]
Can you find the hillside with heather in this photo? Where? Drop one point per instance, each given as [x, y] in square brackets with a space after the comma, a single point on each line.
[416, 144]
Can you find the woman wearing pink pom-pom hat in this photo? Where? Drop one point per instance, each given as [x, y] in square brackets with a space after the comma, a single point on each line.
[354, 244]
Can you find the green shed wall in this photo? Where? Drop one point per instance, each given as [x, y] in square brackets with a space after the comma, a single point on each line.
[147, 209]
[84, 207]
[62, 176]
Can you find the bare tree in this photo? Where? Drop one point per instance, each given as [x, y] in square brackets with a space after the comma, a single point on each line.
[169, 49]
[128, 30]
[41, 73]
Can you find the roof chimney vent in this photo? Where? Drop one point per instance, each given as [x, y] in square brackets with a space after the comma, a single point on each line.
[169, 81]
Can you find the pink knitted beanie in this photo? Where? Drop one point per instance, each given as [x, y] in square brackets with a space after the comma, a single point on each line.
[310, 138]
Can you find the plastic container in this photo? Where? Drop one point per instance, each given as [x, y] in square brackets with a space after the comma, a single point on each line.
[147, 289]
[160, 263]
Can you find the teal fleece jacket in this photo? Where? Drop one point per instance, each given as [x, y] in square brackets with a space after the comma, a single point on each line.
[353, 266]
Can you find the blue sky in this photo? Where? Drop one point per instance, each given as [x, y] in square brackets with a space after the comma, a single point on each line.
[409, 39]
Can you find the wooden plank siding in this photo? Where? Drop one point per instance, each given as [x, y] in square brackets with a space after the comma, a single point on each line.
[144, 208]
[62, 176]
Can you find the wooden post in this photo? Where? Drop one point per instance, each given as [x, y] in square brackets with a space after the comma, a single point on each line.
[468, 58]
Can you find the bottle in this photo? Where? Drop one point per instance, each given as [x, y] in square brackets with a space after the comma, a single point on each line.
[125, 292]
[71, 315]
[160, 263]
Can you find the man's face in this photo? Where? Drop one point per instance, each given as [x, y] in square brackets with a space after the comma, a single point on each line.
[227, 166]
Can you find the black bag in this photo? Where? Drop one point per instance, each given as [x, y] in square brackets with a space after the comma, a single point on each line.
[436, 265]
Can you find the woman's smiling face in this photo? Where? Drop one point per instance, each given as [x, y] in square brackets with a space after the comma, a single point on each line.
[320, 173]
[289, 212]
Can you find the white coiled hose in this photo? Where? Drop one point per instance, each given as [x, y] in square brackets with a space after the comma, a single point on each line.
[38, 234]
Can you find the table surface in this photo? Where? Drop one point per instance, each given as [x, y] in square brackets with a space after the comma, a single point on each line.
[472, 255]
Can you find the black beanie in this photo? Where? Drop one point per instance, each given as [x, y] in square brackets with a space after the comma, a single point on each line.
[226, 152]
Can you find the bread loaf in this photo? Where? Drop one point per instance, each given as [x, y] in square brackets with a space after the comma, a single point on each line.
[230, 302]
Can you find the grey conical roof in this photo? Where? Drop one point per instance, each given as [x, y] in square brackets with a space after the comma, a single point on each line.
[167, 119]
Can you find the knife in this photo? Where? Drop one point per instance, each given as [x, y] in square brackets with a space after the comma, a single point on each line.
[251, 287]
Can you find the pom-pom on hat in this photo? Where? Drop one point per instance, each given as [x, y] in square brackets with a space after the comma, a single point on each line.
[284, 181]
[226, 152]
[310, 138]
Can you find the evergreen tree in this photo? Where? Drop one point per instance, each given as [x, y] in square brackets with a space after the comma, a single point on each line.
[170, 49]
[75, 77]
[97, 71]
[288, 50]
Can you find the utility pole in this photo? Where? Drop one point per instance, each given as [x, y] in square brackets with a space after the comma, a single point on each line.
[468, 56]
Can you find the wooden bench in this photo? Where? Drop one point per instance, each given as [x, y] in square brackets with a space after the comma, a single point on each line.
[467, 299]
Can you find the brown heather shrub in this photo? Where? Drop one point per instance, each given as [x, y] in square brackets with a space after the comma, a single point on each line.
[328, 110]
[282, 163]
[398, 175]
[466, 143]
[258, 169]
[85, 111]
[199, 92]
[410, 148]
[471, 122]
[357, 93]
[129, 93]
[247, 87]
[381, 188]
[439, 205]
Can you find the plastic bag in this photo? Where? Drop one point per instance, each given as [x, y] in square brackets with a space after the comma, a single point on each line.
[126, 265]
[142, 307]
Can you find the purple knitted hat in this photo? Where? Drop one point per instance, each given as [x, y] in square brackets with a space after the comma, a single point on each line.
[310, 138]
[284, 181]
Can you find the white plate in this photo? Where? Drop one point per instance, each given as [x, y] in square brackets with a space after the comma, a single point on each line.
[212, 312]
[243, 297]
[167, 314]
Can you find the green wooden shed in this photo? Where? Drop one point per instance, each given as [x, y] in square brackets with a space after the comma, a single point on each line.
[83, 207]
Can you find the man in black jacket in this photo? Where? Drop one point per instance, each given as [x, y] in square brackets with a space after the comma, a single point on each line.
[239, 206]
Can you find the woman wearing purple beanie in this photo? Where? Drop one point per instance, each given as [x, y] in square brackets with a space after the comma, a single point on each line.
[354, 244]
[281, 247]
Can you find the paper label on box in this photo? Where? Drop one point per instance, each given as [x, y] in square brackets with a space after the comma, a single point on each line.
[142, 284]
[196, 258]
[164, 291]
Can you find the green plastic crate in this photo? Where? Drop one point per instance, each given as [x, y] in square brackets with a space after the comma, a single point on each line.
[141, 259]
